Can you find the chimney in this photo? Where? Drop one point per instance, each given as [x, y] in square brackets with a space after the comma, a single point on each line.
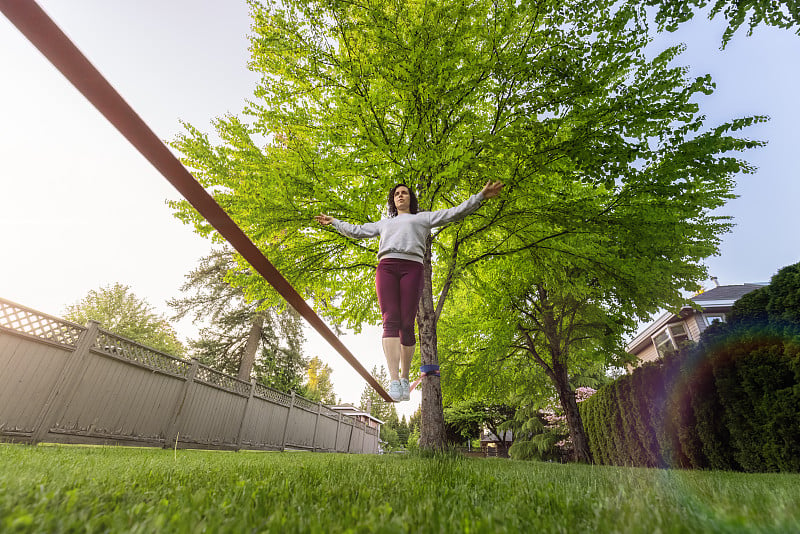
[716, 282]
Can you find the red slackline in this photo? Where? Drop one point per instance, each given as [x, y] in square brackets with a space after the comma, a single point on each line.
[40, 30]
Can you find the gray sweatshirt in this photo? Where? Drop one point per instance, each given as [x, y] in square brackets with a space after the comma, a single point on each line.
[403, 237]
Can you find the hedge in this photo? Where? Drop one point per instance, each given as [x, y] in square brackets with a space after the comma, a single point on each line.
[731, 402]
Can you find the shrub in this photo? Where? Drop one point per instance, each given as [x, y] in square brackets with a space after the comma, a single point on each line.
[783, 306]
[730, 402]
[750, 309]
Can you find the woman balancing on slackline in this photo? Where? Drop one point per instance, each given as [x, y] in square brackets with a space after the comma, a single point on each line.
[398, 279]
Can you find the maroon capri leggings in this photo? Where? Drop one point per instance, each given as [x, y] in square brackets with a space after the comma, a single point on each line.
[399, 287]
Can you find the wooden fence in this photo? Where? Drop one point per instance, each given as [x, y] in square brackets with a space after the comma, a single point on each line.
[66, 383]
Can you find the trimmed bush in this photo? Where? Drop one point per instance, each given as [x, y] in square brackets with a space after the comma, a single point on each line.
[783, 306]
[730, 402]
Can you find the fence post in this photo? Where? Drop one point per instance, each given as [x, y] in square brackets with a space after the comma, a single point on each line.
[184, 397]
[66, 383]
[245, 412]
[338, 426]
[316, 428]
[286, 423]
[363, 437]
[350, 439]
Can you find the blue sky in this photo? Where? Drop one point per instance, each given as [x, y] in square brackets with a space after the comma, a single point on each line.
[80, 208]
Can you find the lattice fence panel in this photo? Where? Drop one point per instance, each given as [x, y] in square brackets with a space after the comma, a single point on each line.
[272, 395]
[33, 323]
[331, 413]
[210, 376]
[130, 350]
[305, 404]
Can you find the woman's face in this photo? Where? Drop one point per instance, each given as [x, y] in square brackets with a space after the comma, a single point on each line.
[402, 199]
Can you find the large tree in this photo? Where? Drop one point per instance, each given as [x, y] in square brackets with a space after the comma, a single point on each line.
[561, 306]
[244, 336]
[551, 322]
[119, 310]
[466, 420]
[554, 98]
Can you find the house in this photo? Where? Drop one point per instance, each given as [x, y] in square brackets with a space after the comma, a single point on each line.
[358, 415]
[670, 330]
[491, 445]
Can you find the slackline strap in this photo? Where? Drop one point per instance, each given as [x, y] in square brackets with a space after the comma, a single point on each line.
[425, 370]
[43, 33]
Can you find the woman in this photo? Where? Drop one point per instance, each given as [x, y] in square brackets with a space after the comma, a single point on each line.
[398, 279]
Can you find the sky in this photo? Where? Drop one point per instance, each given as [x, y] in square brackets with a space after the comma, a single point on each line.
[80, 208]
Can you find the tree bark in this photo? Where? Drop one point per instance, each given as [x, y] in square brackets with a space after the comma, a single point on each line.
[574, 422]
[432, 433]
[250, 348]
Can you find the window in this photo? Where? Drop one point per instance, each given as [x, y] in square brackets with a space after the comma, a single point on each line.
[670, 339]
[711, 318]
[678, 334]
[662, 342]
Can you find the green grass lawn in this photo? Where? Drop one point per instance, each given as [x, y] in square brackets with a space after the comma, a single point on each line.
[100, 489]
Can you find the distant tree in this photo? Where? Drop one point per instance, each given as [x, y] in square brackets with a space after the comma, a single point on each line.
[778, 13]
[468, 419]
[531, 437]
[373, 403]
[463, 421]
[414, 421]
[403, 431]
[318, 385]
[245, 337]
[543, 433]
[390, 436]
[413, 440]
[119, 310]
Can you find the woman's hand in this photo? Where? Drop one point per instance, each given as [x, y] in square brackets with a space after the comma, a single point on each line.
[492, 189]
[323, 219]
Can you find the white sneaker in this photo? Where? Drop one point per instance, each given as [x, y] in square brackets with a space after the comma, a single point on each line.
[405, 387]
[395, 390]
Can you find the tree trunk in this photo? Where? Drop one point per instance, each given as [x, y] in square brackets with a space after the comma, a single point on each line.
[432, 434]
[250, 348]
[574, 421]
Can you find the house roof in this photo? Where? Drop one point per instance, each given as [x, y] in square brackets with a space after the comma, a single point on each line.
[717, 297]
[490, 437]
[349, 409]
[725, 293]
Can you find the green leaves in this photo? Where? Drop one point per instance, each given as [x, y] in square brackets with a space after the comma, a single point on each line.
[120, 311]
[781, 14]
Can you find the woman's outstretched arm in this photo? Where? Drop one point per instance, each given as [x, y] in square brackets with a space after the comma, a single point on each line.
[356, 231]
[492, 189]
[445, 216]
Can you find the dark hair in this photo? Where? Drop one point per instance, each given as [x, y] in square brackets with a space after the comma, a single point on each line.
[413, 208]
